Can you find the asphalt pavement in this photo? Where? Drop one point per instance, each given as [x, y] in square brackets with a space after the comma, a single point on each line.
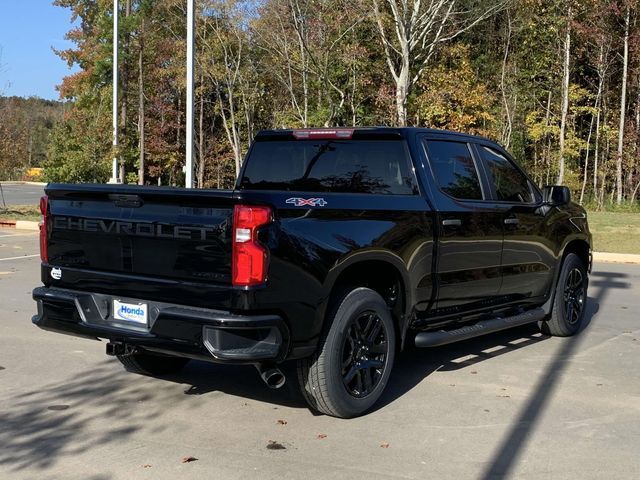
[510, 405]
[20, 194]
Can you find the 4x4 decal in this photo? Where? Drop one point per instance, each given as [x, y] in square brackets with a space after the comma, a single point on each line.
[307, 202]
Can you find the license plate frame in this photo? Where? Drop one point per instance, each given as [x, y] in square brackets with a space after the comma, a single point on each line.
[131, 313]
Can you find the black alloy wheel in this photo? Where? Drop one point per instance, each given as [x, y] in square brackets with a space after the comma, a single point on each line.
[574, 293]
[570, 299]
[364, 354]
[350, 369]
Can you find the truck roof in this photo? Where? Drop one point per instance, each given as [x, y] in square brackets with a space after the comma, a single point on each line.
[368, 131]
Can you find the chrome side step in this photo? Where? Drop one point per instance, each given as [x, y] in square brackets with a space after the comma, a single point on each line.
[483, 327]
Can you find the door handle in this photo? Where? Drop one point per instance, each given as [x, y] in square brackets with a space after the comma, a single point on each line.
[452, 222]
[511, 221]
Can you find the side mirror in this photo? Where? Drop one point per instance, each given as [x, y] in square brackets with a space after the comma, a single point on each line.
[556, 195]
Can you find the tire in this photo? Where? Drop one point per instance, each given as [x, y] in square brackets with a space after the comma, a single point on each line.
[570, 302]
[152, 365]
[352, 365]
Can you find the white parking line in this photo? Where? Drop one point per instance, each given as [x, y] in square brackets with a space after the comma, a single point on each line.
[18, 258]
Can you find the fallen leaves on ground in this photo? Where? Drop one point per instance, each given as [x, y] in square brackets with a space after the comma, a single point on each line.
[281, 422]
[322, 435]
[146, 465]
[384, 445]
[189, 459]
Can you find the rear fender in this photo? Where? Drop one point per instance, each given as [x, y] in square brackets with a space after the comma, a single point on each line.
[367, 255]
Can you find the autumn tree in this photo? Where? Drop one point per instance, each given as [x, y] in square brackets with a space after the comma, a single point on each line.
[555, 81]
[412, 32]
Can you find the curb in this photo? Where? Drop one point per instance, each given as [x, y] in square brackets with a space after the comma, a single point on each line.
[27, 225]
[20, 224]
[616, 257]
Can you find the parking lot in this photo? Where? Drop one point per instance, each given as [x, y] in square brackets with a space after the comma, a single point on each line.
[515, 404]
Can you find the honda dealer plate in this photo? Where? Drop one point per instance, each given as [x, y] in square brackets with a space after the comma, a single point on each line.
[130, 312]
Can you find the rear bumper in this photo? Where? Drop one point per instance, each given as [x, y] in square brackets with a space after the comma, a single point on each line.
[201, 333]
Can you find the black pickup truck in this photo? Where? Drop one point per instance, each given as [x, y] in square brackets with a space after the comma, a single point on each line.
[336, 248]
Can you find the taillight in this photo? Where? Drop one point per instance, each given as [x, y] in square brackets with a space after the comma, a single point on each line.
[249, 262]
[44, 226]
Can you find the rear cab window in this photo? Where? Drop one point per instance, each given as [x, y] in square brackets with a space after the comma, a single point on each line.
[340, 165]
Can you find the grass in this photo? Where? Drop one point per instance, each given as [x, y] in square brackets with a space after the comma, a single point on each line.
[615, 232]
[20, 212]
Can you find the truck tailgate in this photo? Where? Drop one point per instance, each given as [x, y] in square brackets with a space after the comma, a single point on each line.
[142, 231]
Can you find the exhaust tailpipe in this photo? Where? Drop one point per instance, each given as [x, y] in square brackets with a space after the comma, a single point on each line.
[271, 375]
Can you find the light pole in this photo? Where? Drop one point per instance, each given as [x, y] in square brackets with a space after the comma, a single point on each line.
[189, 132]
[114, 170]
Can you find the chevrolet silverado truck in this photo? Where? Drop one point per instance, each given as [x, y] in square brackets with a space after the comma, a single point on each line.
[335, 249]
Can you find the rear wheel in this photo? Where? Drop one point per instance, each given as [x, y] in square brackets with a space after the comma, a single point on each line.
[150, 364]
[570, 301]
[351, 367]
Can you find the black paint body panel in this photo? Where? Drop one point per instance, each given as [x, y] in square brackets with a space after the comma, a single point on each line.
[174, 245]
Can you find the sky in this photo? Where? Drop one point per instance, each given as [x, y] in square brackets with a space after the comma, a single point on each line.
[28, 30]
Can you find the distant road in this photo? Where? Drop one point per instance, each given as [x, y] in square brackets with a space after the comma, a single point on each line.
[21, 194]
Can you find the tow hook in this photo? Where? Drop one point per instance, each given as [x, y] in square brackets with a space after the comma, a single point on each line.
[271, 375]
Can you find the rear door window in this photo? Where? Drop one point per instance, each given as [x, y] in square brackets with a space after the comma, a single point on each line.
[347, 166]
[454, 169]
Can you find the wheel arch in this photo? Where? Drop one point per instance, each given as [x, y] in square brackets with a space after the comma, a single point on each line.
[581, 246]
[383, 272]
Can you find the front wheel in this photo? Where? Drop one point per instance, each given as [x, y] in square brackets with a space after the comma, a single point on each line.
[570, 300]
[352, 364]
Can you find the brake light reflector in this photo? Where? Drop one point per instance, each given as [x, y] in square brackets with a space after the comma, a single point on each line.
[323, 133]
[249, 262]
[44, 226]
